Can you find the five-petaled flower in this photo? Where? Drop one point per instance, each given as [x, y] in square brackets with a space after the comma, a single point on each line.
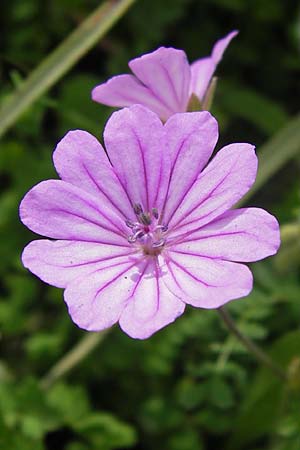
[143, 232]
[163, 80]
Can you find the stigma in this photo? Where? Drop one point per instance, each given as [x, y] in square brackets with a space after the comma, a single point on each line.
[147, 231]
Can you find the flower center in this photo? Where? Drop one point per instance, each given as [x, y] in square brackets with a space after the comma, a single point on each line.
[147, 231]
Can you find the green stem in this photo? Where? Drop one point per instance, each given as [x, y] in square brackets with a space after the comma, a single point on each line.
[251, 346]
[61, 60]
[85, 346]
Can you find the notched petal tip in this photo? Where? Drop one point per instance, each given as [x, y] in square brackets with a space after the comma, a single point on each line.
[192, 114]
[101, 93]
[240, 149]
[74, 135]
[142, 331]
[75, 138]
[25, 206]
[28, 255]
[96, 92]
[152, 306]
[89, 324]
[196, 122]
[160, 52]
[132, 112]
[73, 142]
[96, 301]
[205, 282]
[274, 237]
[33, 260]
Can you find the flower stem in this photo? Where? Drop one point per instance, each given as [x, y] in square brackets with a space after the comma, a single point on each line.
[85, 346]
[251, 346]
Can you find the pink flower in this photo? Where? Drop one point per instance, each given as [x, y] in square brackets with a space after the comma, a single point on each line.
[148, 229]
[163, 80]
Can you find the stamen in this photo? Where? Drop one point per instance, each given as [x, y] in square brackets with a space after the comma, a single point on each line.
[159, 243]
[131, 224]
[155, 213]
[162, 228]
[138, 235]
[145, 218]
[137, 208]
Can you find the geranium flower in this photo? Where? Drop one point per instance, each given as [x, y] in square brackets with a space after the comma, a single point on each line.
[163, 80]
[147, 228]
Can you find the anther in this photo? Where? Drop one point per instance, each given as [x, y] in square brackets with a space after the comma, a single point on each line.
[146, 230]
[162, 228]
[137, 208]
[145, 218]
[155, 213]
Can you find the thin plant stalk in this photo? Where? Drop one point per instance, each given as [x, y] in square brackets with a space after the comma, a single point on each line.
[275, 154]
[81, 350]
[68, 53]
[260, 355]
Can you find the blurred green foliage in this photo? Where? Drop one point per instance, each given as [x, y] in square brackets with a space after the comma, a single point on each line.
[192, 386]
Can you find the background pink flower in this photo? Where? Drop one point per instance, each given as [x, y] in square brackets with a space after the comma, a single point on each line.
[162, 80]
[147, 231]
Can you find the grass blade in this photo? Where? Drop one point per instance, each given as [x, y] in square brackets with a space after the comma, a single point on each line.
[276, 153]
[61, 60]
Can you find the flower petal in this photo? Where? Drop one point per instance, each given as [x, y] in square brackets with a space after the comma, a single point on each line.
[81, 160]
[191, 138]
[152, 305]
[205, 282]
[127, 90]
[222, 183]
[60, 262]
[96, 301]
[166, 72]
[247, 235]
[203, 69]
[135, 142]
[60, 210]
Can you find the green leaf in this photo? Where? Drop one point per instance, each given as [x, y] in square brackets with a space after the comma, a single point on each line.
[21, 291]
[14, 439]
[41, 344]
[185, 439]
[105, 431]
[190, 394]
[23, 408]
[157, 411]
[220, 393]
[62, 398]
[78, 446]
